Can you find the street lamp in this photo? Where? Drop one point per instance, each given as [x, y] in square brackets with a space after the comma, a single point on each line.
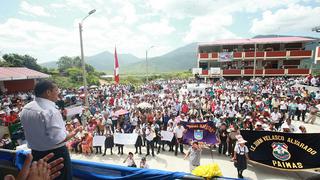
[82, 59]
[147, 67]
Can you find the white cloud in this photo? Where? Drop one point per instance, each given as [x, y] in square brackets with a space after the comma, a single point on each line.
[292, 19]
[210, 27]
[29, 9]
[157, 28]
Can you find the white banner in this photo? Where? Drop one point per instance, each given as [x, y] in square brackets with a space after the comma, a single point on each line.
[74, 110]
[225, 56]
[166, 135]
[125, 139]
[215, 71]
[98, 140]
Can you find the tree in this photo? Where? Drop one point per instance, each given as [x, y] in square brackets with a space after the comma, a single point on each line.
[67, 62]
[16, 60]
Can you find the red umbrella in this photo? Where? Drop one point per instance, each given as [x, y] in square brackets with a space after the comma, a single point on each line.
[121, 112]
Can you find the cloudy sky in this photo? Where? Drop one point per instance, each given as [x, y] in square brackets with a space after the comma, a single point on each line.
[48, 29]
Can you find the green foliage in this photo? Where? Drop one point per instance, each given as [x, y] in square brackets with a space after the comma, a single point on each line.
[16, 60]
[66, 62]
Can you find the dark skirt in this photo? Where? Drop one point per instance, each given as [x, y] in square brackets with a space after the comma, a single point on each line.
[138, 142]
[108, 143]
[241, 162]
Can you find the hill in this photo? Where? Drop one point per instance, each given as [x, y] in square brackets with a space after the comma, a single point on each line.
[181, 59]
[102, 61]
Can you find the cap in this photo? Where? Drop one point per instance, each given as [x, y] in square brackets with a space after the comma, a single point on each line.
[241, 141]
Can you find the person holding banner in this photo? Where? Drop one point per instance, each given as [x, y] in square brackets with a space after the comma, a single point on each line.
[120, 146]
[138, 143]
[172, 143]
[150, 135]
[240, 156]
[108, 143]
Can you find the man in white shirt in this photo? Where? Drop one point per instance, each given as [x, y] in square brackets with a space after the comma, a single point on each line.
[288, 127]
[302, 109]
[178, 132]
[44, 127]
[275, 117]
[150, 135]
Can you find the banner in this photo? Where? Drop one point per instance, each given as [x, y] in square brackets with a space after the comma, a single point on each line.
[201, 132]
[225, 56]
[73, 110]
[98, 140]
[166, 136]
[285, 151]
[125, 139]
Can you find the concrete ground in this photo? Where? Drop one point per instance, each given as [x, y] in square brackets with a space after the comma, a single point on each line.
[167, 161]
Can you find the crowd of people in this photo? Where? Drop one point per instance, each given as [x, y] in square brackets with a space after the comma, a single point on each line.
[260, 104]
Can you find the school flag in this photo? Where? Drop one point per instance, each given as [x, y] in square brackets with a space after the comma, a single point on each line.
[116, 67]
[284, 151]
[201, 132]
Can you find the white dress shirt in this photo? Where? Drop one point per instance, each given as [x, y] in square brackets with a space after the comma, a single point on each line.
[43, 125]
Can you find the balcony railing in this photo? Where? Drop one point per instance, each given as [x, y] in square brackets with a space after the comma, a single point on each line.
[262, 55]
[259, 72]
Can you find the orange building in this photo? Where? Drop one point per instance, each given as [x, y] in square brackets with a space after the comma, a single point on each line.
[279, 56]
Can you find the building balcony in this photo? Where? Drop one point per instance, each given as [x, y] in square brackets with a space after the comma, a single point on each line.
[266, 55]
[258, 72]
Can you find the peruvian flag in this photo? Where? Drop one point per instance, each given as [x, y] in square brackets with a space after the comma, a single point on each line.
[116, 67]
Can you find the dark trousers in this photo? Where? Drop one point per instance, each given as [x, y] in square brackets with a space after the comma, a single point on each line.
[161, 143]
[180, 144]
[150, 144]
[98, 149]
[223, 144]
[298, 115]
[303, 114]
[120, 149]
[66, 171]
[232, 144]
[138, 147]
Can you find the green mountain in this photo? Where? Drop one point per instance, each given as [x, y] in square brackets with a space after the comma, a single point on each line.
[103, 61]
[181, 59]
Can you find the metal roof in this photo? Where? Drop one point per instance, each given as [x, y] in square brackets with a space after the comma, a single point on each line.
[258, 41]
[18, 73]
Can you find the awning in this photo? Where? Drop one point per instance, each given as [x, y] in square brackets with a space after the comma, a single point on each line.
[19, 73]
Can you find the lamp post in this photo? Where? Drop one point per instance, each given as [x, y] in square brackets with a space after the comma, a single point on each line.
[82, 59]
[147, 66]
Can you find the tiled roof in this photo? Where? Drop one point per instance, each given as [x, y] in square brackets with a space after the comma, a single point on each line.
[15, 73]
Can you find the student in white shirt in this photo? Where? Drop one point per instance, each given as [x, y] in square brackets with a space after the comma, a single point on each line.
[150, 135]
[178, 133]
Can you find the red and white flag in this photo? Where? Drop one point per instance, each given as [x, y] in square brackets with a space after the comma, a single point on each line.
[116, 67]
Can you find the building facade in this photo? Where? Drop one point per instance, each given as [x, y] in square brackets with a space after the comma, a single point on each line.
[279, 56]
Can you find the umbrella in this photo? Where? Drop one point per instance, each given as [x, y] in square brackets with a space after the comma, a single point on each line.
[207, 171]
[93, 86]
[144, 105]
[121, 112]
[82, 87]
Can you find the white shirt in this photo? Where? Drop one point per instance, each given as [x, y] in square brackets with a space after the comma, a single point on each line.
[150, 134]
[179, 131]
[275, 117]
[43, 125]
[302, 107]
